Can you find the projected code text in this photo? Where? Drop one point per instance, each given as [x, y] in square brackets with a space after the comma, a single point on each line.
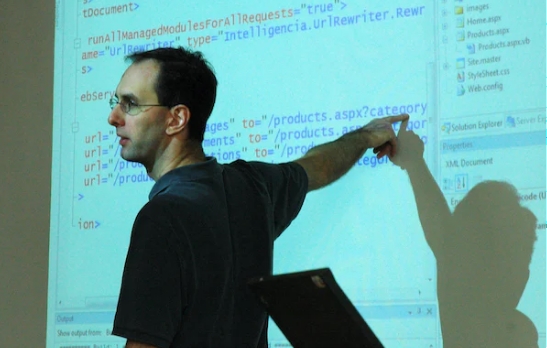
[257, 25]
[268, 137]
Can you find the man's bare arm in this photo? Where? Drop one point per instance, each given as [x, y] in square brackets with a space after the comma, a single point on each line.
[328, 162]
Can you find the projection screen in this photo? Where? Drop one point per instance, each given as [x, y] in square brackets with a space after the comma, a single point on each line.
[403, 239]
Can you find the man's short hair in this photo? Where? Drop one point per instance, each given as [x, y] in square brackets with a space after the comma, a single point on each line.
[185, 77]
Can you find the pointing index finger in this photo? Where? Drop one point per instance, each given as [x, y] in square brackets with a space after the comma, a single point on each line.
[397, 118]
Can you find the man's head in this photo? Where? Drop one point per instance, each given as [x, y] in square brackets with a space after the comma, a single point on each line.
[184, 77]
[165, 95]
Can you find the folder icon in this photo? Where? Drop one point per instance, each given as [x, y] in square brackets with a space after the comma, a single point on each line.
[458, 10]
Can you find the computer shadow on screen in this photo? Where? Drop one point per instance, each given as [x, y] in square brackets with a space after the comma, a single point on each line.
[483, 251]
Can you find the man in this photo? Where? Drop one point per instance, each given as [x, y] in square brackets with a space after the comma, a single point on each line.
[207, 228]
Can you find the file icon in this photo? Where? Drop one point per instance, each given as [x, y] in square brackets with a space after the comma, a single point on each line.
[458, 10]
[460, 63]
[471, 48]
[460, 90]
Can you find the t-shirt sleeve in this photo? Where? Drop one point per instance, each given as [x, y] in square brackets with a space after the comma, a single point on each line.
[151, 296]
[287, 185]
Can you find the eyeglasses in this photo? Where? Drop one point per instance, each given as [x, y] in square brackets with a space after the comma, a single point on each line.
[130, 107]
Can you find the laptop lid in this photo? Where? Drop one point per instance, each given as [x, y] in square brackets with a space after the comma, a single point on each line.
[312, 310]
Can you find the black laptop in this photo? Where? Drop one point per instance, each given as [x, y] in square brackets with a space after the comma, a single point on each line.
[312, 310]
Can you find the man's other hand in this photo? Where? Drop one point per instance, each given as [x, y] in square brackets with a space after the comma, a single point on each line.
[133, 344]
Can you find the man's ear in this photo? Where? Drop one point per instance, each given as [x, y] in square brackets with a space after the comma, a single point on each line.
[178, 120]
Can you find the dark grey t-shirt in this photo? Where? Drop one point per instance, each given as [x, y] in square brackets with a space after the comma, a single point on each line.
[207, 229]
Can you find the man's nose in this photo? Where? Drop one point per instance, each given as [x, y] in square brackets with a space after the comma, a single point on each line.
[116, 117]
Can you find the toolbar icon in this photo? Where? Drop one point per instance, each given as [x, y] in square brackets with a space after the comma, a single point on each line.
[445, 128]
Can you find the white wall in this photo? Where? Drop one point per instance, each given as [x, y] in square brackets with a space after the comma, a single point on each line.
[26, 87]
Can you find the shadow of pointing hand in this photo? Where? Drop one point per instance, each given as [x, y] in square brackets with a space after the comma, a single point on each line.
[482, 250]
[410, 147]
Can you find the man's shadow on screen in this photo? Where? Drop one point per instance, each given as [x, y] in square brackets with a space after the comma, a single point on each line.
[482, 250]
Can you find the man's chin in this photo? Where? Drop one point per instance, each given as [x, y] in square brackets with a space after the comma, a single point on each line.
[130, 157]
[127, 156]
